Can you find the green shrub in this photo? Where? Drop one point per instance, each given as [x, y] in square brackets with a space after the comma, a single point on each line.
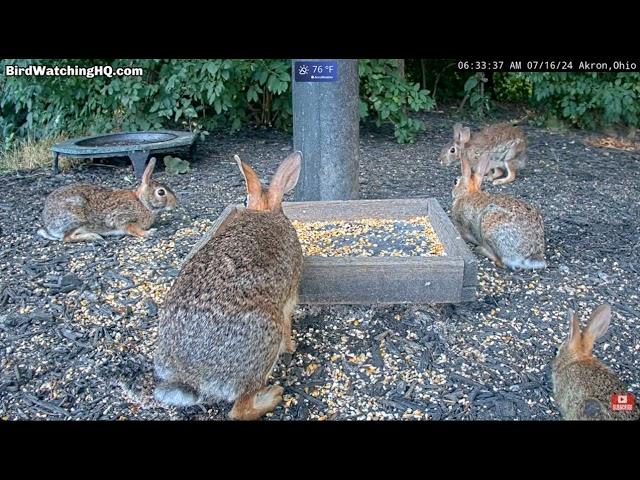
[589, 100]
[512, 87]
[475, 92]
[441, 76]
[199, 95]
[388, 97]
[196, 94]
[203, 95]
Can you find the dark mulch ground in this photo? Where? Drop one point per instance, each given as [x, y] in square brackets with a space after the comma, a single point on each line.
[78, 322]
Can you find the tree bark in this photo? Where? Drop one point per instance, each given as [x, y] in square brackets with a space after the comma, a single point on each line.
[326, 129]
[400, 67]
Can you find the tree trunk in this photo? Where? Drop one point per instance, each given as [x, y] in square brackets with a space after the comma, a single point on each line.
[400, 67]
[326, 129]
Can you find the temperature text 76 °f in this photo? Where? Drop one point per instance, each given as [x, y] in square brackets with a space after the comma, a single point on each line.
[316, 71]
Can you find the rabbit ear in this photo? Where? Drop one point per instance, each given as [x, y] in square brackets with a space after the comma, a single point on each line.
[457, 128]
[465, 168]
[575, 334]
[254, 186]
[481, 169]
[146, 176]
[462, 135]
[285, 178]
[596, 326]
[483, 165]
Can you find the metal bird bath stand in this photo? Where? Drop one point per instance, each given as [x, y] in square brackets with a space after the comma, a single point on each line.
[135, 145]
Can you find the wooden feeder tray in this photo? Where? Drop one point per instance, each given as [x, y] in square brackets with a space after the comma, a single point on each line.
[447, 278]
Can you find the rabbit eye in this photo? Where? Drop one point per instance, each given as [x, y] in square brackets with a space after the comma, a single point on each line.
[453, 150]
[161, 192]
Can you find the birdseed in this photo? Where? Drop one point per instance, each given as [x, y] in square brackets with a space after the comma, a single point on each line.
[369, 237]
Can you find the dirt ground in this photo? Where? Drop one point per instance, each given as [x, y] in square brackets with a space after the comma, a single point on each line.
[78, 322]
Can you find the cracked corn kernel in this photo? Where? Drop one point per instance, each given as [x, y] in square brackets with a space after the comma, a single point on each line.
[289, 400]
[312, 367]
[357, 359]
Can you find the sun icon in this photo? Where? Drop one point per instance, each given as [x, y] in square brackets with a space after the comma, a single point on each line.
[303, 70]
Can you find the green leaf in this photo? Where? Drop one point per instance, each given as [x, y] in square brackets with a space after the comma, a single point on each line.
[470, 83]
[175, 165]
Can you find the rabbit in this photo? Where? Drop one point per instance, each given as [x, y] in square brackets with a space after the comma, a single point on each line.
[506, 230]
[228, 316]
[506, 144]
[85, 212]
[582, 385]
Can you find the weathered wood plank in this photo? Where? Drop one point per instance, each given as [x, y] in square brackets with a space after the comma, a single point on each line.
[468, 293]
[383, 280]
[453, 242]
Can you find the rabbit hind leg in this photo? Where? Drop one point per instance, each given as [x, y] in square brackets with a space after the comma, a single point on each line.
[488, 252]
[469, 237]
[496, 173]
[260, 399]
[255, 404]
[289, 345]
[511, 173]
[81, 234]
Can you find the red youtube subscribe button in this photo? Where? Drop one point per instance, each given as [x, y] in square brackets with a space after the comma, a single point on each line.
[623, 401]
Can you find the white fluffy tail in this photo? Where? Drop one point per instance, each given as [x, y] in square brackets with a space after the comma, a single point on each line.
[44, 233]
[525, 263]
[175, 394]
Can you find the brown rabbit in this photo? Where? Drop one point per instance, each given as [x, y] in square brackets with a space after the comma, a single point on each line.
[85, 212]
[228, 315]
[582, 385]
[506, 230]
[506, 145]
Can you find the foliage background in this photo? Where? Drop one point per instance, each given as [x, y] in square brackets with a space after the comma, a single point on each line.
[205, 95]
[584, 100]
[201, 95]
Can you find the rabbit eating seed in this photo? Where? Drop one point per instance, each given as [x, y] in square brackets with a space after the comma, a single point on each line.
[228, 315]
[582, 385]
[506, 230]
[85, 212]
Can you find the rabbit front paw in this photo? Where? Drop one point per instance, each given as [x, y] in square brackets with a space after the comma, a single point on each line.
[137, 231]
